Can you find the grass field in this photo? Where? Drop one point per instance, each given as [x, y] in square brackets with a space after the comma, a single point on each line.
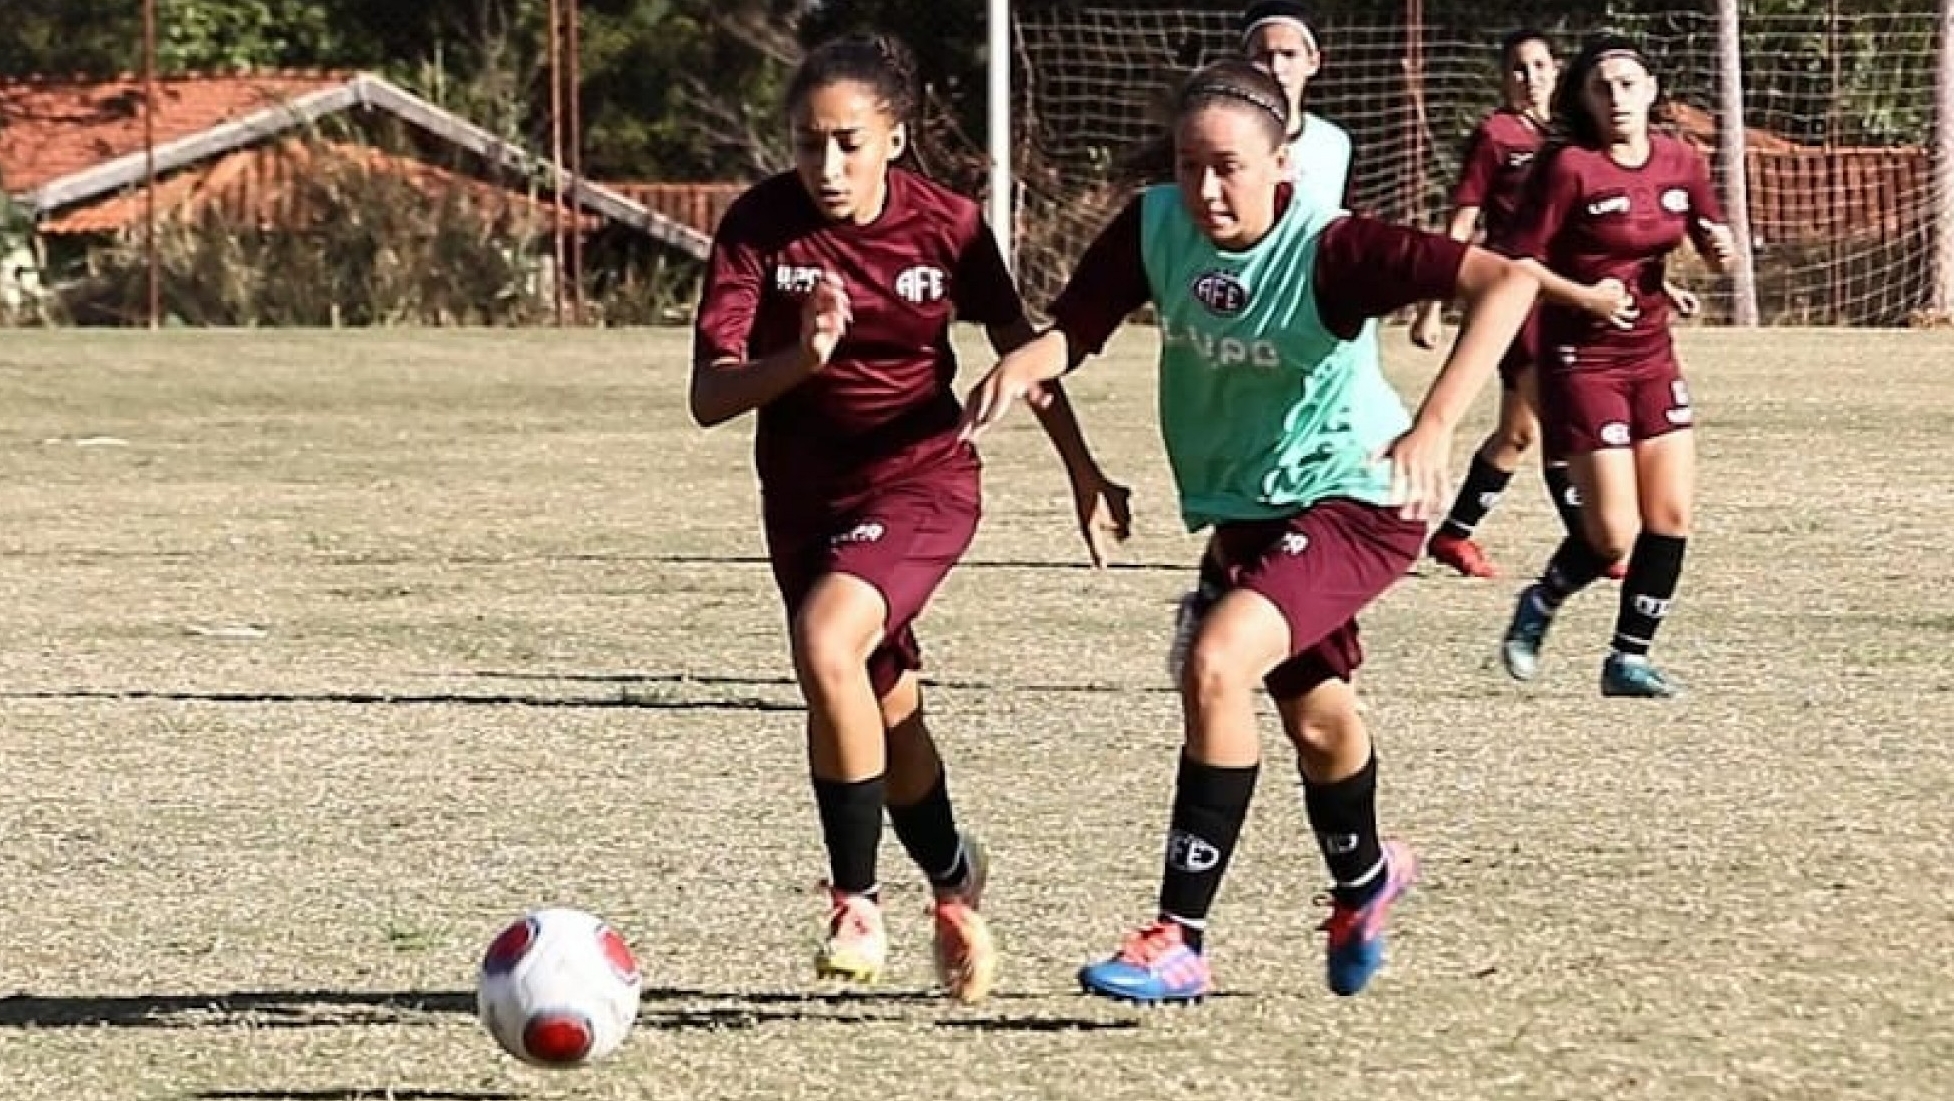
[328, 653]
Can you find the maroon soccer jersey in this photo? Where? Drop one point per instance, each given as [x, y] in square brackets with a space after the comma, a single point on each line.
[1588, 218]
[884, 406]
[1365, 268]
[1494, 174]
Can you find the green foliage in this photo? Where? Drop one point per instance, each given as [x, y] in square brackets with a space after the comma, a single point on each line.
[216, 35]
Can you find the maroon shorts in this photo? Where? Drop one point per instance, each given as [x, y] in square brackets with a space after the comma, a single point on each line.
[1319, 568]
[1588, 409]
[902, 539]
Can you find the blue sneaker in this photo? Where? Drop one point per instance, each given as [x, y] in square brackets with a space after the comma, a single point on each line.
[1153, 966]
[1356, 947]
[1521, 649]
[1633, 676]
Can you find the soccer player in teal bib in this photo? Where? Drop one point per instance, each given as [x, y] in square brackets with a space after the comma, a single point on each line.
[1285, 438]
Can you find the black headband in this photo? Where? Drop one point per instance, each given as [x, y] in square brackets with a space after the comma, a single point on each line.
[1214, 88]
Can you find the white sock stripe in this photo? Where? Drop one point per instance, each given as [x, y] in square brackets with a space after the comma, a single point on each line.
[1188, 922]
[961, 855]
[1376, 870]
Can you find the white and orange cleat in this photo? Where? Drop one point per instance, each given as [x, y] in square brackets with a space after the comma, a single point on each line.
[966, 955]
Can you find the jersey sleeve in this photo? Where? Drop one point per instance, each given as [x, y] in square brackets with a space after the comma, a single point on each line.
[731, 295]
[984, 290]
[1477, 170]
[1552, 190]
[1369, 268]
[1704, 205]
[1109, 283]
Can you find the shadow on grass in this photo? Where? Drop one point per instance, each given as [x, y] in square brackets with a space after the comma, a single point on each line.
[353, 1093]
[625, 699]
[664, 1009]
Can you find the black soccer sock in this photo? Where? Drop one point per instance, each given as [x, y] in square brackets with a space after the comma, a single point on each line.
[851, 827]
[1210, 805]
[1574, 567]
[928, 832]
[1344, 816]
[1480, 491]
[1566, 498]
[1653, 571]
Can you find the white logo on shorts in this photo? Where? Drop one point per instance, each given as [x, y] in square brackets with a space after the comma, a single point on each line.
[1681, 417]
[1295, 543]
[1188, 853]
[866, 532]
[1675, 200]
[1616, 434]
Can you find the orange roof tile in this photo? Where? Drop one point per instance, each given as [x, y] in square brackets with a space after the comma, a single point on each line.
[54, 127]
[259, 186]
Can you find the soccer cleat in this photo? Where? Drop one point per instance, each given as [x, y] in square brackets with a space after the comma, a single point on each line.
[1154, 966]
[1356, 933]
[1460, 553]
[1520, 651]
[966, 955]
[1632, 676]
[857, 944]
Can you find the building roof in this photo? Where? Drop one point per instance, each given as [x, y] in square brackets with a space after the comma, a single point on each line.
[265, 185]
[65, 142]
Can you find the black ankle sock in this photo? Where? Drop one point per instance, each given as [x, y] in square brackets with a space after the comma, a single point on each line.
[1480, 491]
[1344, 816]
[928, 832]
[1566, 498]
[1574, 567]
[1210, 805]
[1653, 571]
[851, 826]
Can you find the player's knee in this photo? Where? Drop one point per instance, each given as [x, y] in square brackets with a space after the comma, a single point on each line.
[1325, 733]
[827, 652]
[1516, 436]
[1611, 539]
[1215, 670]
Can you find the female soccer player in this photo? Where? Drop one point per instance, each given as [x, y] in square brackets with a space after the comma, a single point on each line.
[1276, 35]
[1609, 204]
[1491, 181]
[828, 303]
[1283, 436]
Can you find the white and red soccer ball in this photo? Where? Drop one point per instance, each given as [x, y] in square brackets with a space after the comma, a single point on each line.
[558, 988]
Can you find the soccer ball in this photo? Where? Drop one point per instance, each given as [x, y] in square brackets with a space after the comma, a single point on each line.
[558, 988]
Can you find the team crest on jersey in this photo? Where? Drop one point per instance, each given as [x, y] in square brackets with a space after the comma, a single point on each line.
[1223, 294]
[920, 284]
[795, 278]
[1675, 201]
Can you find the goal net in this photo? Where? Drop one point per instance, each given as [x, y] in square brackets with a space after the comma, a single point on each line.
[1839, 112]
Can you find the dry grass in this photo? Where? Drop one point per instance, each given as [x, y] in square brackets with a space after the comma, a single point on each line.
[515, 646]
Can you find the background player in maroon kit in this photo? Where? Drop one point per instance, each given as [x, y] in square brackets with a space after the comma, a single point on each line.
[1604, 209]
[1492, 180]
[828, 303]
[1492, 177]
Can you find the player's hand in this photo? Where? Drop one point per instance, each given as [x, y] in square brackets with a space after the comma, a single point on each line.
[1427, 329]
[1105, 511]
[1610, 301]
[1682, 300]
[825, 317]
[990, 399]
[1722, 243]
[1420, 482]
